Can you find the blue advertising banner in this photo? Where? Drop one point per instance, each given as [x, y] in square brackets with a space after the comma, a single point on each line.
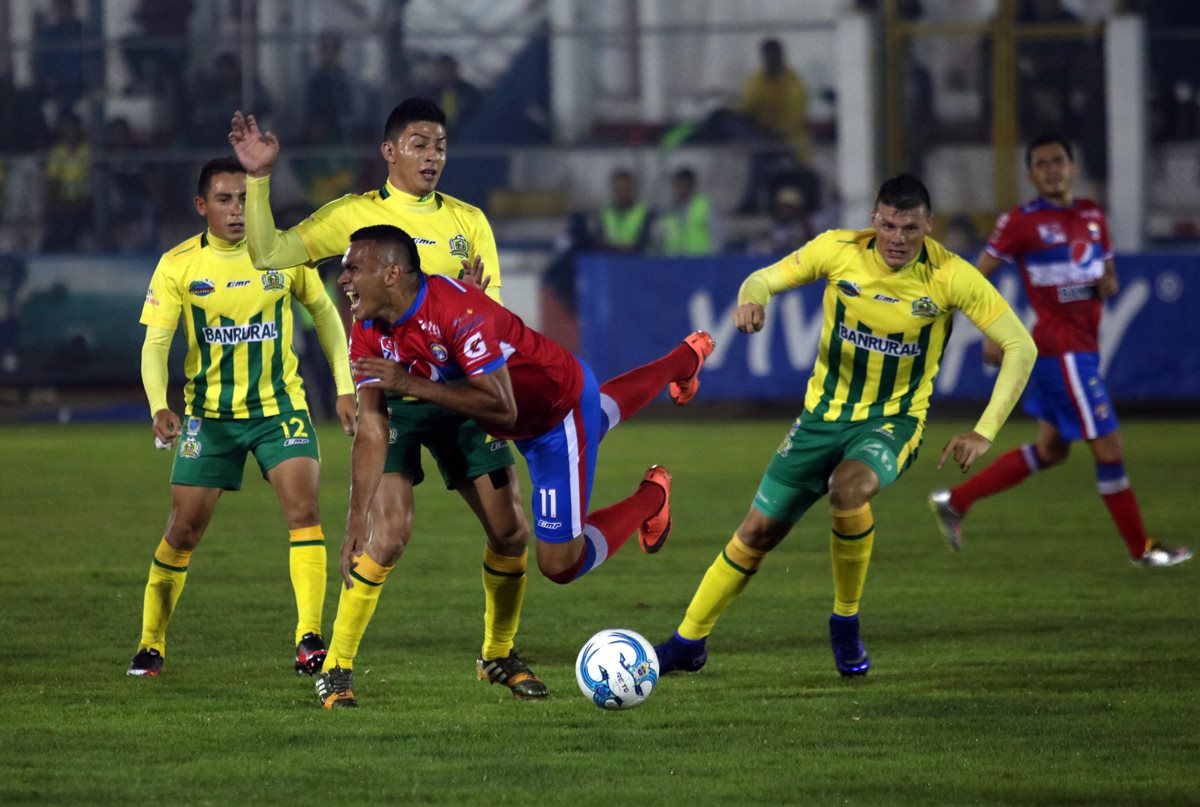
[631, 310]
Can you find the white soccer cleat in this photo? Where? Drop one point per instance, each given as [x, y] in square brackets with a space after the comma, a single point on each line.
[1158, 555]
[948, 521]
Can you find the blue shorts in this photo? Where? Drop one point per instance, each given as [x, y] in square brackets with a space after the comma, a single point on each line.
[562, 464]
[1067, 392]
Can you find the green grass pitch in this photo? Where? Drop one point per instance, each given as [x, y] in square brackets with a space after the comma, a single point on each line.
[1036, 667]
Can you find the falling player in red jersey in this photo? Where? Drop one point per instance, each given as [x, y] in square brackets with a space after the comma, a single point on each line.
[1061, 245]
[444, 341]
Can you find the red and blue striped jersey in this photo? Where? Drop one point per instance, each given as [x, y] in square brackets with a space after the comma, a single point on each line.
[454, 330]
[1061, 253]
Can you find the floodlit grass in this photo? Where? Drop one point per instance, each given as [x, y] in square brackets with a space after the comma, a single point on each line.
[1036, 667]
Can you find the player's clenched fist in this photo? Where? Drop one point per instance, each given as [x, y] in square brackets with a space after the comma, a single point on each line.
[749, 317]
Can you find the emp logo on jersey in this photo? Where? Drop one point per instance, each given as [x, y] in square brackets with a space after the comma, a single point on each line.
[877, 344]
[235, 334]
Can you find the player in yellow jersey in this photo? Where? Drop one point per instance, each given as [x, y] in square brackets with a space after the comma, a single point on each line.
[890, 296]
[243, 395]
[453, 238]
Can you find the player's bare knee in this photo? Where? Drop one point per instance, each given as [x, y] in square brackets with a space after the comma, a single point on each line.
[512, 542]
[850, 488]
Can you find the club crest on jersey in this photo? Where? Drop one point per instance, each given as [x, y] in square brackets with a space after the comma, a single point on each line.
[848, 288]
[393, 435]
[201, 288]
[272, 281]
[460, 247]
[924, 307]
[388, 346]
[1052, 233]
[189, 449]
[439, 352]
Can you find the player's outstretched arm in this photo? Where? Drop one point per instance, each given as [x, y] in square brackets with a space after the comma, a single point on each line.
[366, 468]
[256, 150]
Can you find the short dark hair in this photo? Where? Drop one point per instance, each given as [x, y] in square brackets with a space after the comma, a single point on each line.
[904, 192]
[1048, 139]
[391, 236]
[217, 165]
[412, 110]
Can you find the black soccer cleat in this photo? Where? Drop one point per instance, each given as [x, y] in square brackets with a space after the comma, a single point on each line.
[146, 662]
[335, 689]
[310, 654]
[514, 673]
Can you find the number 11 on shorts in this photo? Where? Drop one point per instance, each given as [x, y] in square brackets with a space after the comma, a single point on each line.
[549, 496]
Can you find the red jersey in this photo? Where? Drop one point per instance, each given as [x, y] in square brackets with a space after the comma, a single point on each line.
[1061, 253]
[454, 330]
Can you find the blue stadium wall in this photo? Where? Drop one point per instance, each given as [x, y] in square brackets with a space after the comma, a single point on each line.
[633, 309]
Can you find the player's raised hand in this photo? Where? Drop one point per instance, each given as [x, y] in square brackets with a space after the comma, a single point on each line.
[472, 272]
[749, 317]
[166, 428]
[256, 150]
[347, 411]
[965, 448]
[353, 545]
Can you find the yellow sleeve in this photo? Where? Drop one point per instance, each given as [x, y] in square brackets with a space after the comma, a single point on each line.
[269, 248]
[805, 265]
[326, 233]
[1019, 356]
[155, 350]
[332, 336]
[163, 303]
[485, 247]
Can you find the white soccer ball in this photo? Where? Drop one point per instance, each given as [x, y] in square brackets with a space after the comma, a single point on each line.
[617, 669]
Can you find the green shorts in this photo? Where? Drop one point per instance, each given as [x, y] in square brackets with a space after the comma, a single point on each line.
[799, 472]
[458, 444]
[211, 453]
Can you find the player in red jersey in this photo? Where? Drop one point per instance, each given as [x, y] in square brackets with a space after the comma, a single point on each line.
[1061, 245]
[444, 341]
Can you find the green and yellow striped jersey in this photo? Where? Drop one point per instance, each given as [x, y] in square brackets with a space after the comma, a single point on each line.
[240, 361]
[447, 230]
[884, 329]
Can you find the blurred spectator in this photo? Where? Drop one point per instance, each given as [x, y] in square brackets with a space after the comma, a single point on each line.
[625, 222]
[12, 277]
[776, 99]
[59, 60]
[22, 126]
[790, 226]
[328, 173]
[157, 51]
[68, 210]
[216, 96]
[455, 95]
[134, 188]
[686, 228]
[1061, 84]
[1174, 69]
[330, 94]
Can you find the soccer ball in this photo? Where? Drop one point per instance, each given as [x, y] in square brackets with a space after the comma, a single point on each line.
[617, 669]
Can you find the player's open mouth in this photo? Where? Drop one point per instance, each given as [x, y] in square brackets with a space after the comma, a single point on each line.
[354, 301]
[430, 175]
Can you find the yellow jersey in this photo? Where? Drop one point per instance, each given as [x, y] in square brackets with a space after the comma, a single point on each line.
[447, 230]
[884, 329]
[240, 361]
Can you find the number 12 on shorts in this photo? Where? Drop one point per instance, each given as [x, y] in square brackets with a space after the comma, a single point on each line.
[549, 499]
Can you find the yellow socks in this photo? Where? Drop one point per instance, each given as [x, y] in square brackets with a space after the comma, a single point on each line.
[355, 609]
[504, 593]
[850, 548]
[168, 573]
[723, 581]
[307, 561]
